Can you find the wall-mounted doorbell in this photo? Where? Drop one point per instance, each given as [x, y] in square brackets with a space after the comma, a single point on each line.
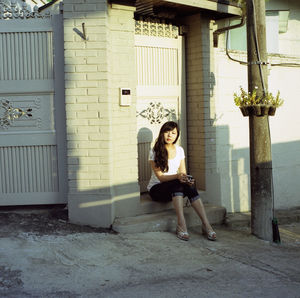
[125, 97]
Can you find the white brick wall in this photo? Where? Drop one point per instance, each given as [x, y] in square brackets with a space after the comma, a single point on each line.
[124, 126]
[101, 135]
[122, 71]
[87, 108]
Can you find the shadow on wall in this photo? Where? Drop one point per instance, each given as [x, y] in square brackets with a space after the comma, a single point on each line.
[144, 138]
[234, 174]
[99, 205]
[286, 174]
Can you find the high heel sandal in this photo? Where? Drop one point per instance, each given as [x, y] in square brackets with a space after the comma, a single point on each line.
[211, 235]
[181, 234]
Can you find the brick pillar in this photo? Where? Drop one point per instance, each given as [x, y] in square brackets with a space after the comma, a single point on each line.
[122, 74]
[101, 135]
[196, 102]
[88, 113]
[201, 106]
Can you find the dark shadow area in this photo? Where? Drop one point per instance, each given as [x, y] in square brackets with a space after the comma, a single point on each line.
[235, 175]
[41, 220]
[144, 139]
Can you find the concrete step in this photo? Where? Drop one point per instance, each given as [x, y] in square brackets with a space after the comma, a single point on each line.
[166, 220]
[238, 219]
[149, 206]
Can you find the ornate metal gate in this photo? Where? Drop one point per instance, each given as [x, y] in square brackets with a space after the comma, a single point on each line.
[160, 86]
[32, 121]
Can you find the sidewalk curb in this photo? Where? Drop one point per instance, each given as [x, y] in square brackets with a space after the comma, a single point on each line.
[243, 219]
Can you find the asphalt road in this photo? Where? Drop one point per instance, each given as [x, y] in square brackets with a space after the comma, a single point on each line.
[42, 255]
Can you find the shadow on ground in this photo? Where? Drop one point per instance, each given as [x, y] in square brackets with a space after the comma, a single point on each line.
[41, 221]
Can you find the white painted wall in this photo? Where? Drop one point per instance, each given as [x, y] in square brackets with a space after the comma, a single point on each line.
[278, 41]
[229, 184]
[232, 135]
[289, 42]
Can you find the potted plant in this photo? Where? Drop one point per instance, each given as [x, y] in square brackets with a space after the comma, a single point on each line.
[252, 104]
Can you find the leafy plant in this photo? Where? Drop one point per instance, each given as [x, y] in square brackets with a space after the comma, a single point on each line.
[251, 98]
[276, 101]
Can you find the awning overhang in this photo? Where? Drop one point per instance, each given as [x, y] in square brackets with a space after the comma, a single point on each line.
[171, 9]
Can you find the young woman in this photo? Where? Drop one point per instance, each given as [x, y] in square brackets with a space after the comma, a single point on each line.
[170, 182]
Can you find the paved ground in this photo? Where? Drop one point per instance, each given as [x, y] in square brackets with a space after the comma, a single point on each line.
[42, 255]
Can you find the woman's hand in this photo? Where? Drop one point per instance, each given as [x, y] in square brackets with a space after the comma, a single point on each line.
[190, 180]
[183, 178]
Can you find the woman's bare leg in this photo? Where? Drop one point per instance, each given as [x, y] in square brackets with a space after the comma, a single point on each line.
[178, 206]
[200, 210]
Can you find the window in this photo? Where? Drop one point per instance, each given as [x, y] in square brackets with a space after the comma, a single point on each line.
[276, 23]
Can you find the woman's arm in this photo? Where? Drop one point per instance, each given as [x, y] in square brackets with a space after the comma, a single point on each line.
[160, 175]
[181, 175]
[182, 168]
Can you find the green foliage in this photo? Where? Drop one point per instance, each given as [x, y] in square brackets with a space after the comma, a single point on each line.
[251, 98]
[276, 101]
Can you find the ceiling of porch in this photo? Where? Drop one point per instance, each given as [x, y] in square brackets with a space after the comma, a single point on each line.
[171, 9]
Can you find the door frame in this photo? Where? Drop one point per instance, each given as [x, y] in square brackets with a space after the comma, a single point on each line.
[174, 91]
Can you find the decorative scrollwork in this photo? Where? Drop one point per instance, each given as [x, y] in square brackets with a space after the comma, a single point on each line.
[12, 11]
[8, 113]
[156, 112]
[154, 27]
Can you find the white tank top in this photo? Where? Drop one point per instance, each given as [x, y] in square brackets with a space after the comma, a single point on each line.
[172, 163]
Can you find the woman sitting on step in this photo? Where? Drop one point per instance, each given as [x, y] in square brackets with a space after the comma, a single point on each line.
[169, 181]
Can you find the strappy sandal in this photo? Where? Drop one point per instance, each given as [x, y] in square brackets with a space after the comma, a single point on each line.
[181, 234]
[211, 235]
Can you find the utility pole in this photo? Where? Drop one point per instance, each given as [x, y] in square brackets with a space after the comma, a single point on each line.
[259, 131]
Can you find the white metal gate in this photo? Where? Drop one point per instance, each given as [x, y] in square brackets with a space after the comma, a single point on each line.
[32, 121]
[160, 86]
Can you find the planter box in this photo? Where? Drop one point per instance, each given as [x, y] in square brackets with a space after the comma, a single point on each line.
[258, 110]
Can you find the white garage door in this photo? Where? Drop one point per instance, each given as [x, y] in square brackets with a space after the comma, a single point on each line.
[32, 117]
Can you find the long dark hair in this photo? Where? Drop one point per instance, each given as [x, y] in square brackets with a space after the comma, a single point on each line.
[160, 151]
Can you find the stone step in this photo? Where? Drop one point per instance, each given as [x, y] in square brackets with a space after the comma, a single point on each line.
[166, 220]
[149, 206]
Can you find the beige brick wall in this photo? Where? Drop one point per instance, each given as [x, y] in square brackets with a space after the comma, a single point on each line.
[87, 112]
[124, 125]
[101, 135]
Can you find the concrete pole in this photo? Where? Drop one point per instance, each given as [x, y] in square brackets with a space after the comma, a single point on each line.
[260, 143]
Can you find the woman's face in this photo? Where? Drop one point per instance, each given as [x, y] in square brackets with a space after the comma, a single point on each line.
[170, 136]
